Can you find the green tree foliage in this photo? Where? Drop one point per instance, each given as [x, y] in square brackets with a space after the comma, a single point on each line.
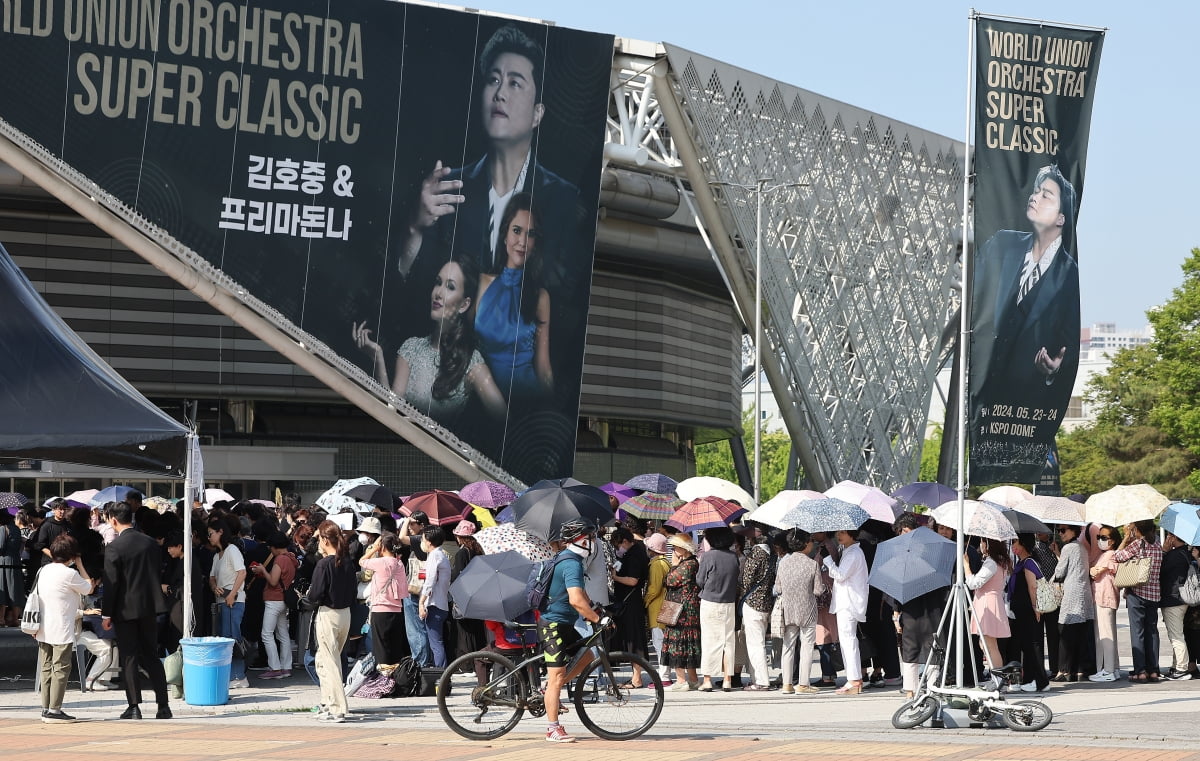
[1147, 427]
[930, 453]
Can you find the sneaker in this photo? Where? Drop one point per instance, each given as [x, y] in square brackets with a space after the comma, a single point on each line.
[56, 717]
[788, 689]
[557, 734]
[679, 687]
[1176, 675]
[1029, 687]
[331, 718]
[1103, 676]
[239, 684]
[280, 674]
[806, 689]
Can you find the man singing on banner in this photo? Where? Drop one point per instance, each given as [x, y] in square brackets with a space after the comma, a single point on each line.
[1027, 297]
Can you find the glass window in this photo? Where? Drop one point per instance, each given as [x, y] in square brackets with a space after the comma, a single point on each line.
[28, 487]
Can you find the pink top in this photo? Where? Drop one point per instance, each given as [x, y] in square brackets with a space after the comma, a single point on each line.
[1104, 589]
[389, 584]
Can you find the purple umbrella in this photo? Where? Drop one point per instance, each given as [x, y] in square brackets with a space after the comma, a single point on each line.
[489, 494]
[655, 482]
[620, 491]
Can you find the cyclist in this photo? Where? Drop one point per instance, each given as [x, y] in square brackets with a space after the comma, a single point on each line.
[566, 601]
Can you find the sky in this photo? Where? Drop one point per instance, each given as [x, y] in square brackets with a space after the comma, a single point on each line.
[908, 61]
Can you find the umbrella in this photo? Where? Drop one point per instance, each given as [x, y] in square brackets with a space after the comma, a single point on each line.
[482, 516]
[82, 498]
[913, 564]
[1005, 496]
[771, 512]
[705, 512]
[374, 495]
[652, 506]
[878, 505]
[492, 587]
[442, 507]
[710, 486]
[489, 494]
[1024, 523]
[981, 519]
[213, 496]
[550, 503]
[334, 498]
[161, 504]
[13, 499]
[1053, 510]
[925, 493]
[112, 494]
[506, 537]
[1125, 504]
[825, 514]
[1183, 520]
[621, 491]
[655, 482]
[506, 516]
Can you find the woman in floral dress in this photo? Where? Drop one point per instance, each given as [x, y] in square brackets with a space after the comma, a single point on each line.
[681, 644]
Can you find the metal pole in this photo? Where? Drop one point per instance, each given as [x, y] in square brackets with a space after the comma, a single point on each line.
[758, 346]
[964, 345]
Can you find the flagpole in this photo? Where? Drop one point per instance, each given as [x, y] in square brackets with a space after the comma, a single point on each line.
[964, 345]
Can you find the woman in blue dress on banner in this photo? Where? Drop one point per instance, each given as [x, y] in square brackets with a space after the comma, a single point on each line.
[512, 319]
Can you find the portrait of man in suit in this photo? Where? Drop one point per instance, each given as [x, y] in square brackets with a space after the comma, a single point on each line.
[132, 599]
[460, 209]
[1025, 328]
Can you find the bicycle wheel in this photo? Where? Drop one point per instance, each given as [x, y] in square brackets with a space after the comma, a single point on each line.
[1027, 715]
[481, 713]
[914, 712]
[611, 710]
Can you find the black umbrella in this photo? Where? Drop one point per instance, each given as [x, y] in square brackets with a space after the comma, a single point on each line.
[374, 494]
[548, 504]
[492, 587]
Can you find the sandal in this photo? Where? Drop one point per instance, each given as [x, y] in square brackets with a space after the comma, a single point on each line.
[631, 686]
[1138, 677]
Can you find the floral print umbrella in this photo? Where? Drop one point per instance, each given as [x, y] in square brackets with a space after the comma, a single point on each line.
[506, 537]
[488, 494]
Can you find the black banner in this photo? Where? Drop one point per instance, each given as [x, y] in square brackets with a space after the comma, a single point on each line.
[415, 187]
[1034, 90]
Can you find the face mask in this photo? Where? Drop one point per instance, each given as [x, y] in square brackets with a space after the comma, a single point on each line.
[1104, 544]
[621, 551]
[364, 539]
[582, 548]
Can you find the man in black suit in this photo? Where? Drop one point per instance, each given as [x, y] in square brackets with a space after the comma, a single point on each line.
[1027, 301]
[132, 599]
[459, 210]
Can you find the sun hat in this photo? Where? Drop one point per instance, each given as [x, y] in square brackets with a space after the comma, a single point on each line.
[656, 543]
[370, 525]
[682, 542]
[464, 528]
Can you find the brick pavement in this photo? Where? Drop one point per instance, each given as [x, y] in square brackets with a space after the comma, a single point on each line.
[374, 738]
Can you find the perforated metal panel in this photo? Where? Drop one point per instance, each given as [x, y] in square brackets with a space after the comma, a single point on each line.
[859, 264]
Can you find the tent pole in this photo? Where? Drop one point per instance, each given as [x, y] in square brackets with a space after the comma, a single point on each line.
[190, 486]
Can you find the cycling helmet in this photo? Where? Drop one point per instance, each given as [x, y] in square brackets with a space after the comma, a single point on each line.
[573, 529]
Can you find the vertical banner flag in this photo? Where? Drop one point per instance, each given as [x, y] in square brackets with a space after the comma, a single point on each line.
[1034, 88]
[414, 186]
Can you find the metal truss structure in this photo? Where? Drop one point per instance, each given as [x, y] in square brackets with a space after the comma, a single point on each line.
[860, 244]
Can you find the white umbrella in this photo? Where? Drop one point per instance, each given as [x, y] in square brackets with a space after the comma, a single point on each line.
[711, 486]
[772, 511]
[1125, 504]
[334, 498]
[979, 518]
[212, 496]
[1008, 496]
[1053, 510]
[878, 505]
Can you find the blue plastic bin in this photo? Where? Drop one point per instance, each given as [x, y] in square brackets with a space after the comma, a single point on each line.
[206, 662]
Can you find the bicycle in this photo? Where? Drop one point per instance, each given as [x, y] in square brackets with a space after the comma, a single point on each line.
[981, 703]
[607, 706]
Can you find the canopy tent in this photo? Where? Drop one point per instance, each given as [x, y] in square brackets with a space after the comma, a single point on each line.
[60, 401]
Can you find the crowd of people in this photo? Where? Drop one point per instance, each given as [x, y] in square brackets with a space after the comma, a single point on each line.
[710, 607]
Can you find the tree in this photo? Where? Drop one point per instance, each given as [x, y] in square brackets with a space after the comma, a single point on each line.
[930, 454]
[1177, 344]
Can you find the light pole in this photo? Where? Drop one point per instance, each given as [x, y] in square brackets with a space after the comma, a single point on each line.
[760, 189]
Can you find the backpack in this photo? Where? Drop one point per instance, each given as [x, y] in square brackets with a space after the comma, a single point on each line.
[1189, 590]
[407, 677]
[537, 587]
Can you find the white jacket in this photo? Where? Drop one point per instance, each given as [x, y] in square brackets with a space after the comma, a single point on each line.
[849, 583]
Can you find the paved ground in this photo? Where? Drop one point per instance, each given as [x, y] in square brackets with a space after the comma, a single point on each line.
[270, 722]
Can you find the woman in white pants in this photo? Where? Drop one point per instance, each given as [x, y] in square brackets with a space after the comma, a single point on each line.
[1108, 599]
[849, 604]
[334, 585]
[798, 584]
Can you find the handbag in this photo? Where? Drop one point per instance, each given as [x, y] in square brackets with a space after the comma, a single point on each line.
[669, 613]
[1189, 590]
[1049, 596]
[416, 575]
[1132, 573]
[31, 617]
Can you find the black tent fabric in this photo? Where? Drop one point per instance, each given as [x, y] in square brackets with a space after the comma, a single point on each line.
[60, 401]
